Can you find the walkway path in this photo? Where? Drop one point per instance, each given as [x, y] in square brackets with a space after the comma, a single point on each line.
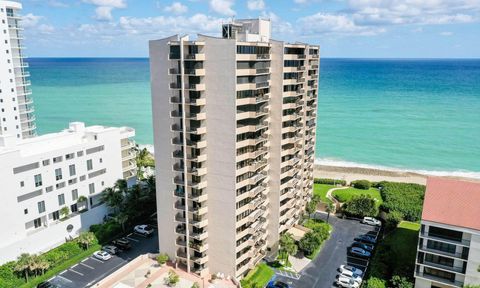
[333, 199]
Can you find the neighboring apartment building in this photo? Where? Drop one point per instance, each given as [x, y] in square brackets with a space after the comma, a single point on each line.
[234, 124]
[16, 109]
[449, 244]
[41, 175]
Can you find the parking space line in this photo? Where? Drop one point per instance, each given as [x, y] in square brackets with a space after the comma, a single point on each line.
[51, 279]
[83, 264]
[66, 279]
[64, 271]
[71, 270]
[97, 260]
[133, 239]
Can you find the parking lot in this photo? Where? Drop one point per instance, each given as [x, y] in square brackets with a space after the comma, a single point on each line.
[91, 270]
[322, 271]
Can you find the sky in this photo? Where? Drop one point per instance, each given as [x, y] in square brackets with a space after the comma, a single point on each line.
[342, 28]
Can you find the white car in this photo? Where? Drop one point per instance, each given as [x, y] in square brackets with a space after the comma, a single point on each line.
[371, 221]
[346, 282]
[352, 269]
[352, 276]
[145, 230]
[102, 255]
[110, 249]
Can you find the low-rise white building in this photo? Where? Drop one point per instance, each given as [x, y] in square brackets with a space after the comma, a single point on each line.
[41, 175]
[448, 253]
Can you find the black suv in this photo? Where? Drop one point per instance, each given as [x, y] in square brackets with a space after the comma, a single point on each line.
[122, 243]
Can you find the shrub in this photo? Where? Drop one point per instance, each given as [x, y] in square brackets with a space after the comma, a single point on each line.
[172, 279]
[195, 285]
[392, 220]
[329, 181]
[360, 206]
[401, 282]
[405, 198]
[162, 258]
[361, 184]
[107, 231]
[374, 282]
[310, 242]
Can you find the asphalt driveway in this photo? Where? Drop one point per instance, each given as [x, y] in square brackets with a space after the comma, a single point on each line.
[91, 270]
[322, 271]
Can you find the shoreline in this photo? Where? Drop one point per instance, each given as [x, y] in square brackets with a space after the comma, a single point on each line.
[350, 171]
[375, 174]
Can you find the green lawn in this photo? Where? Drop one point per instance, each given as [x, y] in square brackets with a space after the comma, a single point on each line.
[260, 275]
[320, 190]
[346, 194]
[395, 255]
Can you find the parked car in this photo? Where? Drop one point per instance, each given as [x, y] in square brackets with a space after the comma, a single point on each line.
[371, 221]
[364, 246]
[360, 252]
[102, 255]
[366, 239]
[110, 249]
[346, 282]
[352, 269]
[145, 230]
[46, 284]
[277, 284]
[352, 276]
[122, 243]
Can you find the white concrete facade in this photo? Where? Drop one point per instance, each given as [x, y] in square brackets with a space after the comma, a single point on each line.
[41, 175]
[447, 256]
[16, 104]
[234, 131]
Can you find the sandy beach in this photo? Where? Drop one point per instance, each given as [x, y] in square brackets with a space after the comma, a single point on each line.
[357, 173]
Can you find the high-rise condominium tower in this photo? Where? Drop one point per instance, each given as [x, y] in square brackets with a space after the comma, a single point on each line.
[234, 124]
[16, 109]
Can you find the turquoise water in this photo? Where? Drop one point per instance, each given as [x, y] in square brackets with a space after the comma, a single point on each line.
[407, 114]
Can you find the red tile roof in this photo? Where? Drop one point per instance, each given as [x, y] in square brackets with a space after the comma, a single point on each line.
[452, 202]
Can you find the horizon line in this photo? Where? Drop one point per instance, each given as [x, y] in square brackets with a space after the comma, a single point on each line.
[351, 58]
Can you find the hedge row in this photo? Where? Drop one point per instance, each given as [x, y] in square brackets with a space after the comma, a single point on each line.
[329, 181]
[405, 199]
[59, 259]
[107, 231]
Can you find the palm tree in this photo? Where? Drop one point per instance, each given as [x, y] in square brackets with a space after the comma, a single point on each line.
[121, 219]
[43, 264]
[23, 264]
[330, 208]
[121, 185]
[82, 200]
[287, 246]
[113, 198]
[33, 264]
[85, 239]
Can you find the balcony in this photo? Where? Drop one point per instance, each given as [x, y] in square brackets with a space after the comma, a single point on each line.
[195, 86]
[27, 109]
[445, 239]
[199, 235]
[195, 72]
[439, 280]
[443, 253]
[195, 57]
[24, 92]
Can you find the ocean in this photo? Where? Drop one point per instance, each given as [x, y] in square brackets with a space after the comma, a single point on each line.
[416, 115]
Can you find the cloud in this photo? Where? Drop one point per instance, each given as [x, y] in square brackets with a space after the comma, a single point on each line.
[29, 20]
[256, 4]
[177, 8]
[57, 4]
[105, 7]
[223, 7]
[103, 13]
[429, 12]
[446, 33]
[46, 29]
[279, 26]
[325, 23]
[107, 3]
